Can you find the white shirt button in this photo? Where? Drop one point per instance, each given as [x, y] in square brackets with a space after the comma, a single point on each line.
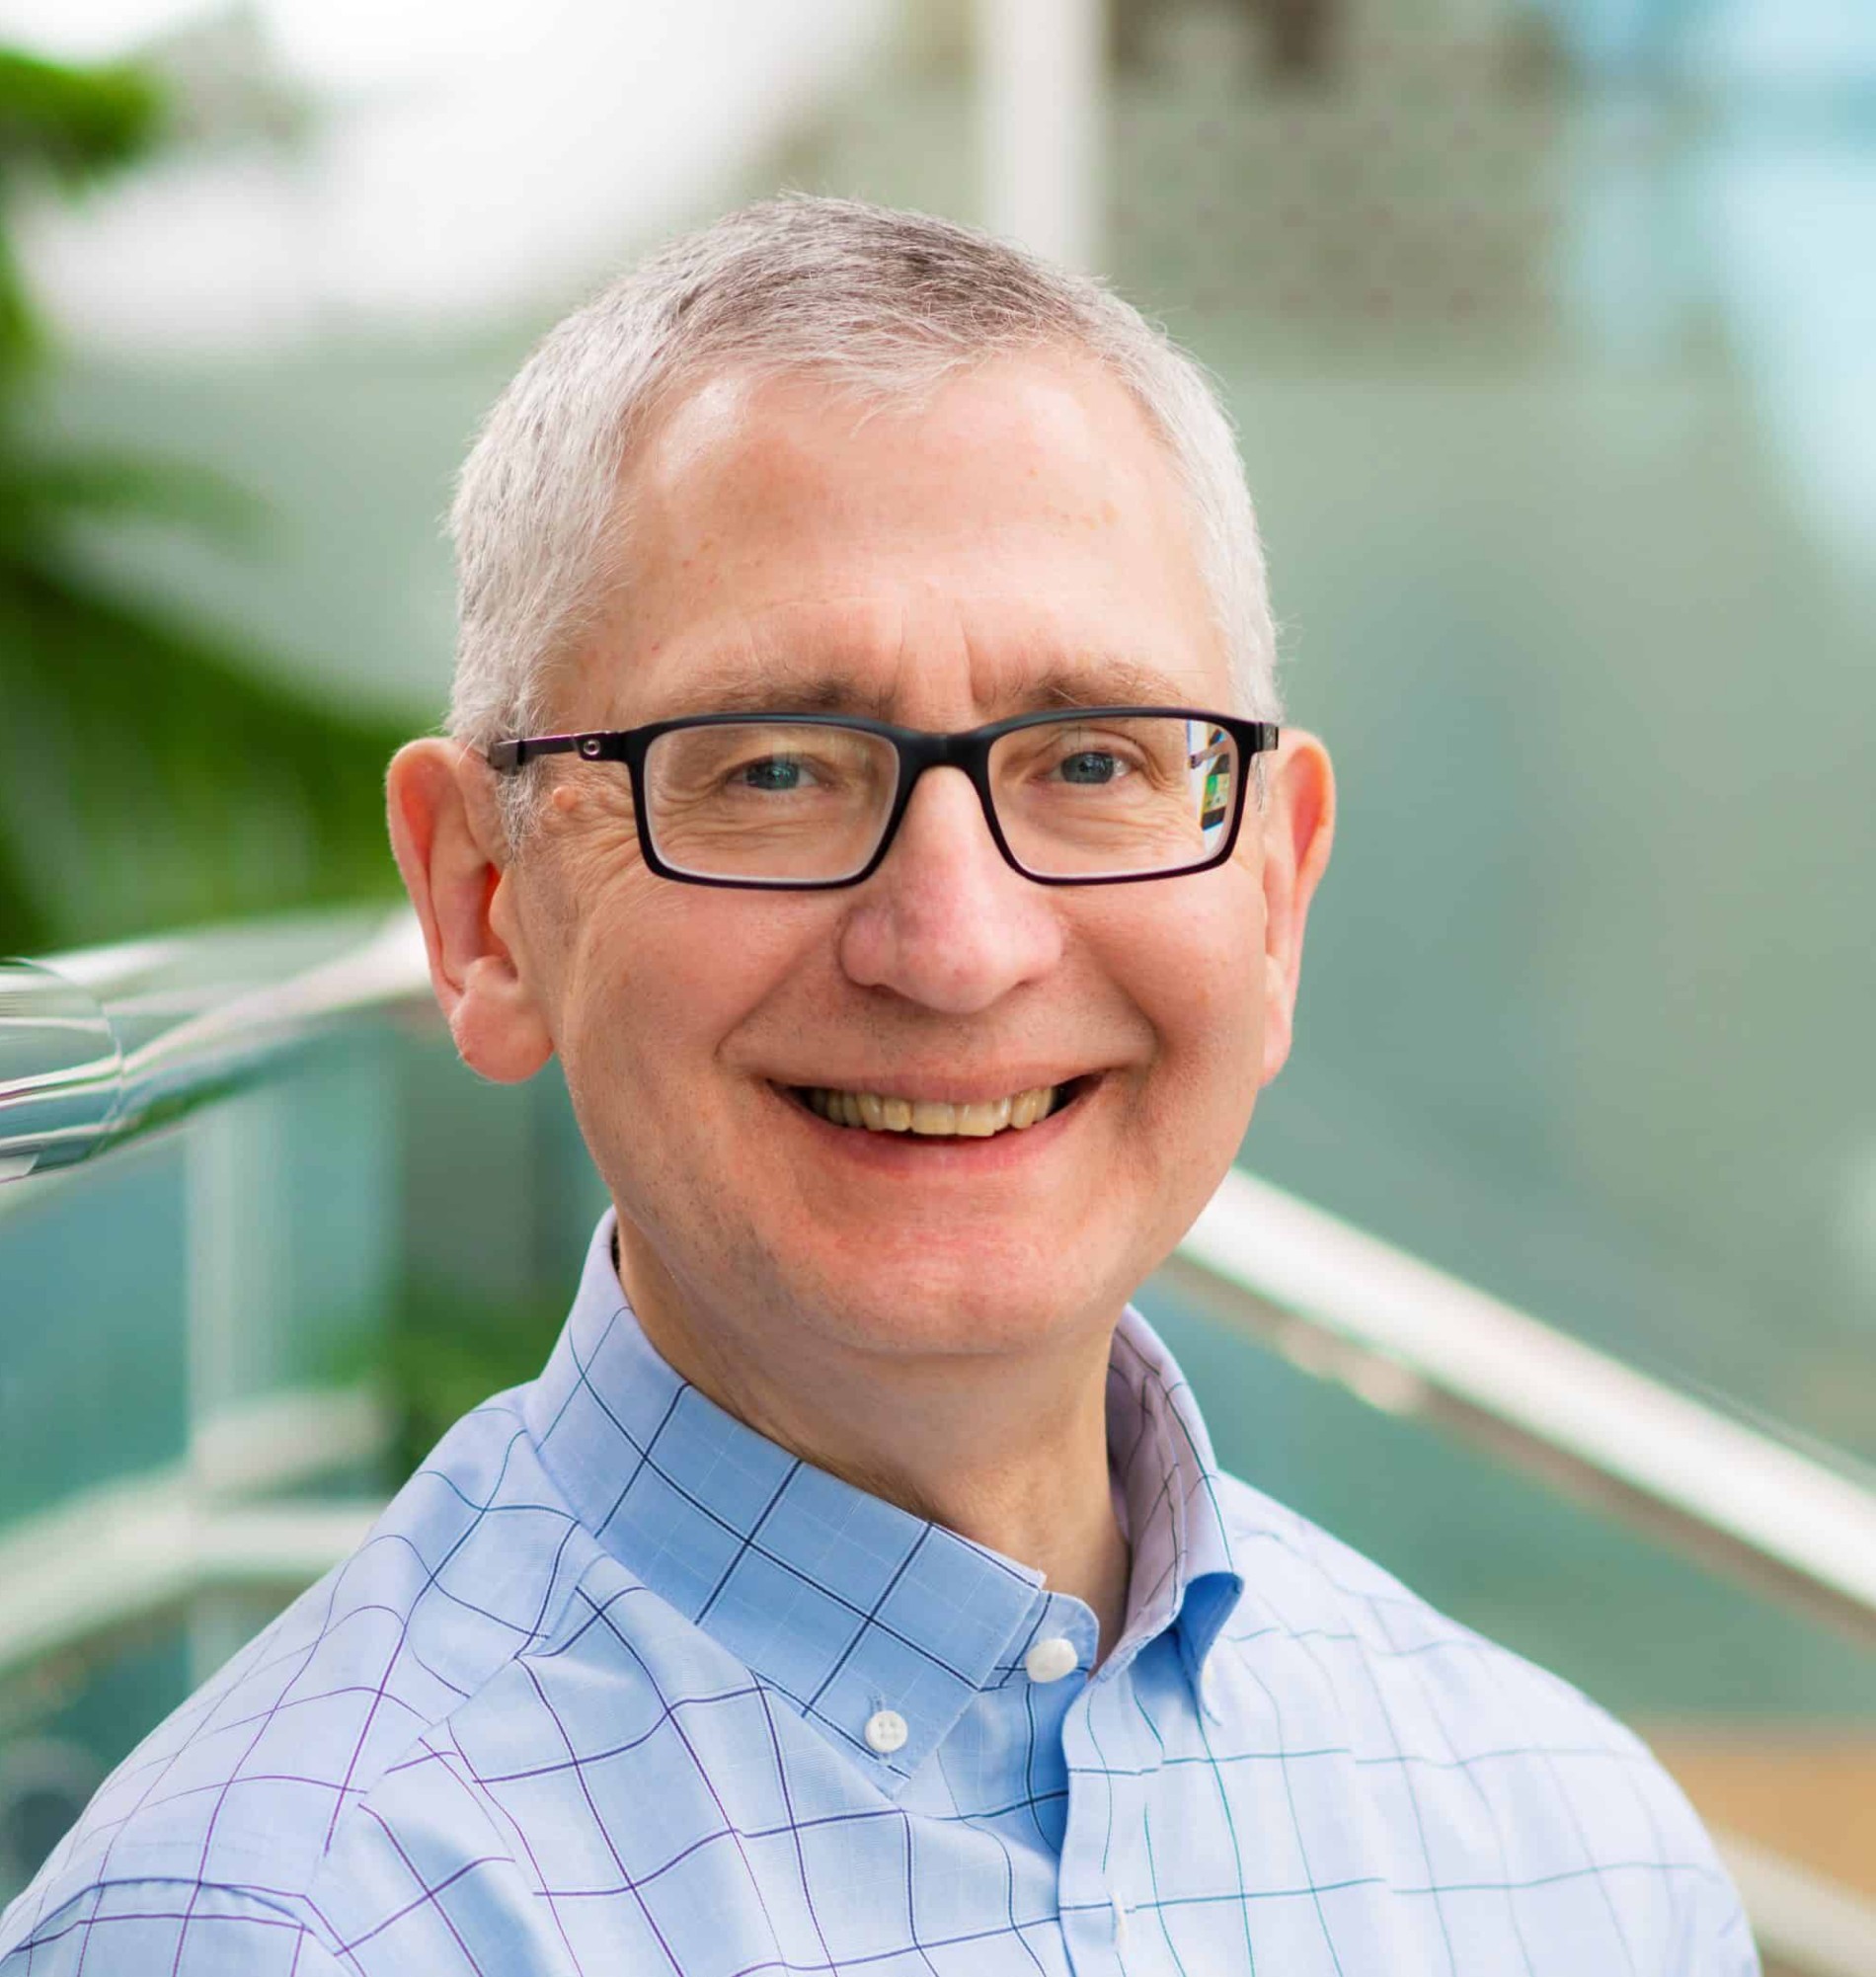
[1120, 1921]
[885, 1731]
[1049, 1659]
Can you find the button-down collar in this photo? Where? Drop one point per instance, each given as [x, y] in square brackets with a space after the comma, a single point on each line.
[844, 1604]
[1183, 1572]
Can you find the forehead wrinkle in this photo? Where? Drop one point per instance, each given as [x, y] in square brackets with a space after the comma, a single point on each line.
[1036, 675]
[777, 688]
[773, 688]
[1105, 682]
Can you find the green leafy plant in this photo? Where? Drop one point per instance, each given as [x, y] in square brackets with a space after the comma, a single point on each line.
[449, 1350]
[148, 775]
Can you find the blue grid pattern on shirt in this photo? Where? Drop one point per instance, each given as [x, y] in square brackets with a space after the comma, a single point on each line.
[592, 1698]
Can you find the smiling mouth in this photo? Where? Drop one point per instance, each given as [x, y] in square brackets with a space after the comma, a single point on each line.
[937, 1118]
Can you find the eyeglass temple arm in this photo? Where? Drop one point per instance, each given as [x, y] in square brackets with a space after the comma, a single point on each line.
[507, 757]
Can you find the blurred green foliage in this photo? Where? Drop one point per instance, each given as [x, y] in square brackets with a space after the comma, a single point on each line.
[449, 1350]
[152, 777]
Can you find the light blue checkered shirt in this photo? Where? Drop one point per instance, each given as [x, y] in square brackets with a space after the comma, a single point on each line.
[595, 1698]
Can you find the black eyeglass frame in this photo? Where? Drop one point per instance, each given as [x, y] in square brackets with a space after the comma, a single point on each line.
[917, 750]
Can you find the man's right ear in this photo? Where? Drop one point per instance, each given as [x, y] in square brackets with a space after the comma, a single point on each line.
[447, 833]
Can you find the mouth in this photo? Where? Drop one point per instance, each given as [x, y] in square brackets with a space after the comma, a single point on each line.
[936, 1118]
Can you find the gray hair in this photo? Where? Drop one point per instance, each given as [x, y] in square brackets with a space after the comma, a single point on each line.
[883, 303]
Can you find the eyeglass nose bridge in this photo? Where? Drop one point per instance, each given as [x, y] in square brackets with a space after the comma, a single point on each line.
[967, 754]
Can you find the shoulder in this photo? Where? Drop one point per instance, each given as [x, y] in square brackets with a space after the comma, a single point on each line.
[1519, 1774]
[238, 1797]
[1315, 1602]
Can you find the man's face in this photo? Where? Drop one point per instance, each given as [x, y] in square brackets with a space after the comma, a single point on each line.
[1018, 538]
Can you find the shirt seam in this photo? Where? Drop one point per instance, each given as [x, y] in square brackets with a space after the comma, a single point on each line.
[98, 1884]
[542, 1641]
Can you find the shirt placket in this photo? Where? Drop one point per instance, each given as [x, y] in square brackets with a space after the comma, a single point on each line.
[1106, 1774]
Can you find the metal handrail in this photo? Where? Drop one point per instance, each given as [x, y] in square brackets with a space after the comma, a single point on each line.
[99, 1047]
[1408, 1338]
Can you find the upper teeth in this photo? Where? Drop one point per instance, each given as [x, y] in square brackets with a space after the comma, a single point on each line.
[932, 1116]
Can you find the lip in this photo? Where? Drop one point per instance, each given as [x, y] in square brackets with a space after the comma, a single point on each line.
[936, 1156]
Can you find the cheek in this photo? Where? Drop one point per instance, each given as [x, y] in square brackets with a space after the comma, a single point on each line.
[1195, 967]
[665, 974]
[1202, 986]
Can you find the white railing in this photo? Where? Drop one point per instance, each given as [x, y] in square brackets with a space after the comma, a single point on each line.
[1408, 1338]
[98, 1046]
[106, 1558]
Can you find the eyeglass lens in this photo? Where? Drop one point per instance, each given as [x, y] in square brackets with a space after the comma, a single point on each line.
[790, 803]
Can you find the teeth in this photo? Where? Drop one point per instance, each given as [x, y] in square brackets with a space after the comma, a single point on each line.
[933, 1118]
[980, 1121]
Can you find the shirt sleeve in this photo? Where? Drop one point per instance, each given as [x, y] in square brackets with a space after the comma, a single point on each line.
[131, 1929]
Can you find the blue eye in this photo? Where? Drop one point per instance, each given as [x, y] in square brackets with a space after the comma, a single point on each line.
[773, 774]
[1091, 766]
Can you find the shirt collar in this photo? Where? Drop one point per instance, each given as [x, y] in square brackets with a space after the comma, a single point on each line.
[1183, 1574]
[844, 1603]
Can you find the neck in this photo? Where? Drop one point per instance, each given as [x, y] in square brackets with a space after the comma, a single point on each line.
[1012, 1456]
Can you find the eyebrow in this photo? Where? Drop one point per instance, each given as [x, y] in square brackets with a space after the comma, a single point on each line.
[1106, 681]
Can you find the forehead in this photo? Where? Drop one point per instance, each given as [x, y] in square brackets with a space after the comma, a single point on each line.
[1017, 535]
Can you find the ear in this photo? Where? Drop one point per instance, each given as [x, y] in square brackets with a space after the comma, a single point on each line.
[1298, 827]
[448, 837]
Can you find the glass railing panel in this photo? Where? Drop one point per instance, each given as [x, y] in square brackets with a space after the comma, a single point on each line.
[94, 1308]
[1643, 1631]
[295, 1228]
[197, 1319]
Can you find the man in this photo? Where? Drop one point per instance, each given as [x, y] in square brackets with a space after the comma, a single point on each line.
[863, 778]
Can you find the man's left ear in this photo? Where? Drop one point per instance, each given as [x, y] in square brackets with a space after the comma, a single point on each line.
[1298, 823]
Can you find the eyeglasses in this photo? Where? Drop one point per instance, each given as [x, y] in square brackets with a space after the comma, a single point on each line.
[805, 801]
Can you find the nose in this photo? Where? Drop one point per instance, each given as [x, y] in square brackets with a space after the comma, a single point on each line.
[944, 922]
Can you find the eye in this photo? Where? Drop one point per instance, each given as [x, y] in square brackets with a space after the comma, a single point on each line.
[1091, 768]
[776, 775]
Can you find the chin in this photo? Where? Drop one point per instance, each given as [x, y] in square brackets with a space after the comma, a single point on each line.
[967, 1304]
